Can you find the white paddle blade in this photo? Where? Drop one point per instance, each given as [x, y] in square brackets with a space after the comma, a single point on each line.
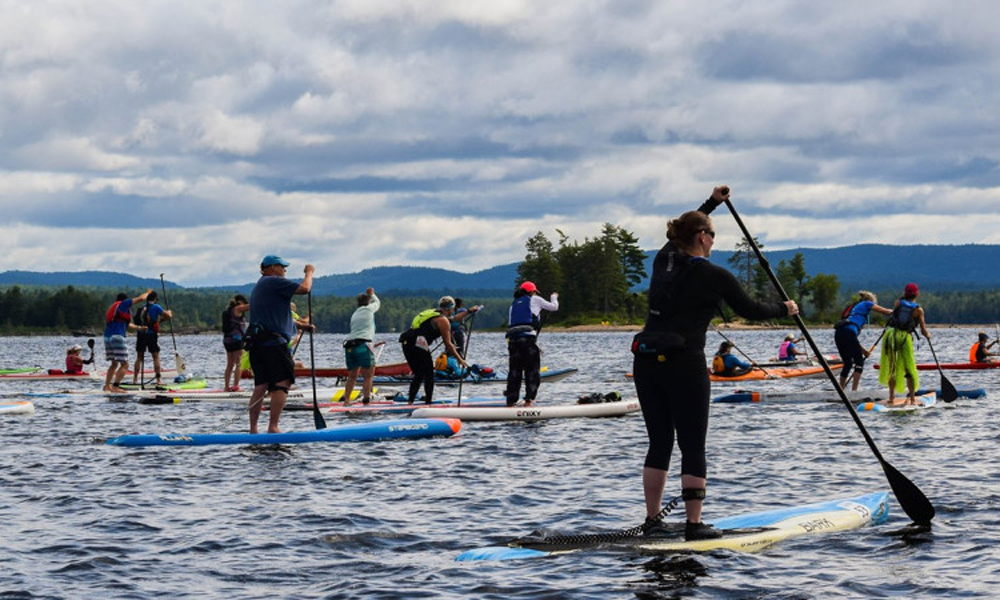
[179, 361]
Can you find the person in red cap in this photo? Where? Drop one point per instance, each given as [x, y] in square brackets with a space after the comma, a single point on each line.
[897, 366]
[524, 323]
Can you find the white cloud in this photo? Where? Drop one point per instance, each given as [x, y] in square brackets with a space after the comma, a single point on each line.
[409, 129]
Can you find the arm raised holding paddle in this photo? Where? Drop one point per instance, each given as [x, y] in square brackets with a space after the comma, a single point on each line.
[671, 377]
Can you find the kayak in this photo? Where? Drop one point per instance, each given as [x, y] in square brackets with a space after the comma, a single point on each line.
[56, 375]
[960, 366]
[362, 432]
[44, 375]
[831, 359]
[535, 412]
[21, 407]
[391, 369]
[924, 401]
[775, 373]
[744, 533]
[826, 395]
[546, 374]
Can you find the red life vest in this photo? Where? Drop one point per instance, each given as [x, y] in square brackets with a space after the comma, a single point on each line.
[114, 314]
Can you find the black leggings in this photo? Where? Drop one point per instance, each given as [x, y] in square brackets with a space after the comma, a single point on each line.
[674, 396]
[525, 362]
[423, 371]
[850, 350]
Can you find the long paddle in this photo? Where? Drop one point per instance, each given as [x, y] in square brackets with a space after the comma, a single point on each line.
[948, 391]
[178, 360]
[318, 419]
[465, 352]
[913, 501]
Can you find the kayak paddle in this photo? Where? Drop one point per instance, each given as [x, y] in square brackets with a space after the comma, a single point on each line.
[913, 501]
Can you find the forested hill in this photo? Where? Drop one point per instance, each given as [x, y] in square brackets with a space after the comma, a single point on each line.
[874, 266]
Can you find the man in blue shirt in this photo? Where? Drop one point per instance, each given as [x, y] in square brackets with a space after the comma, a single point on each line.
[118, 320]
[149, 316]
[270, 355]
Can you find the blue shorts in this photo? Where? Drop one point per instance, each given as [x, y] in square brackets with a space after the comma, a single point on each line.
[359, 357]
[115, 348]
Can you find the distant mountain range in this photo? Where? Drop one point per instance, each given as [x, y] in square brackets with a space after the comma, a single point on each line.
[874, 266]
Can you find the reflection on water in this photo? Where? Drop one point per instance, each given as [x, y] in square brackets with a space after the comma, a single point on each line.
[385, 519]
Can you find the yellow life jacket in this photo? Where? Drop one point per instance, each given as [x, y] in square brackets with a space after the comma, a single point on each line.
[718, 365]
[441, 362]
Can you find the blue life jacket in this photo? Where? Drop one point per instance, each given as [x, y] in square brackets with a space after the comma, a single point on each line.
[522, 322]
[902, 316]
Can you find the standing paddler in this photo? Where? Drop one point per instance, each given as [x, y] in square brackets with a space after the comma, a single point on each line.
[670, 374]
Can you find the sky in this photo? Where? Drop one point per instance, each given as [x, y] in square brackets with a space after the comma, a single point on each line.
[191, 138]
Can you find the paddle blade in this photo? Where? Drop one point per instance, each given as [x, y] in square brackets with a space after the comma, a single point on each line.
[948, 391]
[913, 501]
[179, 362]
[318, 419]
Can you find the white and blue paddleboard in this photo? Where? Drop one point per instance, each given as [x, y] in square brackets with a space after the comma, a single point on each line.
[745, 533]
[362, 432]
[923, 401]
[20, 407]
[535, 412]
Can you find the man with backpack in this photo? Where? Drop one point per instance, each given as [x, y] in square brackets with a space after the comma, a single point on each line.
[118, 320]
[149, 316]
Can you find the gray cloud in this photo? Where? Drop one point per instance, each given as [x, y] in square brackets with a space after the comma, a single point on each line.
[447, 133]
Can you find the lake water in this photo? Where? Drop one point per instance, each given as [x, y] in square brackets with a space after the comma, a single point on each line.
[385, 519]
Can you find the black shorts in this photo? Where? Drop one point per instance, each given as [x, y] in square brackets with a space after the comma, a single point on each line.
[232, 345]
[272, 365]
[147, 341]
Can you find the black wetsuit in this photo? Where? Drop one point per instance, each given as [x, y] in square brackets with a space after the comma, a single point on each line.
[674, 391]
[419, 359]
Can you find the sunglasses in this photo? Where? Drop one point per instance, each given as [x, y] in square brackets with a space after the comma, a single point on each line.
[710, 233]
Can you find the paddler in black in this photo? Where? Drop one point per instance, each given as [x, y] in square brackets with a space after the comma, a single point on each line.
[426, 327]
[670, 374]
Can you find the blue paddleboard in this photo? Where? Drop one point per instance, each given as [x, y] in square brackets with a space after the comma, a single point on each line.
[362, 432]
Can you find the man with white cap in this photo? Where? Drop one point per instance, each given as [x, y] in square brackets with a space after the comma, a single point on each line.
[273, 327]
[524, 322]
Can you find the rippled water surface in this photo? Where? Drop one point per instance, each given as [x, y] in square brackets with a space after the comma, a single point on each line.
[386, 519]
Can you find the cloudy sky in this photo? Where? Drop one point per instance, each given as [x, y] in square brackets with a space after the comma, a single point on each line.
[191, 137]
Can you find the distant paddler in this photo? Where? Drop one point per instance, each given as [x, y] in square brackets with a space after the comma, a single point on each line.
[979, 353]
[897, 362]
[846, 332]
[788, 351]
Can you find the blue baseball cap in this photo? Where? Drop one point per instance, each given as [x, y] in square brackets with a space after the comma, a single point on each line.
[273, 259]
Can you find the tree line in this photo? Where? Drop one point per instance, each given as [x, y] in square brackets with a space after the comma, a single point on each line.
[596, 280]
[27, 310]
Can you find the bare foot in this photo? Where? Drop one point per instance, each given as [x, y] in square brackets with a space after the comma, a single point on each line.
[269, 430]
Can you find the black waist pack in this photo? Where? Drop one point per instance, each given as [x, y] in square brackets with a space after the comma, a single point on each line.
[657, 343]
[355, 342]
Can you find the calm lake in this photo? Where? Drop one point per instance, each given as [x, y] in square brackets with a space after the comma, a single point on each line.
[81, 519]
